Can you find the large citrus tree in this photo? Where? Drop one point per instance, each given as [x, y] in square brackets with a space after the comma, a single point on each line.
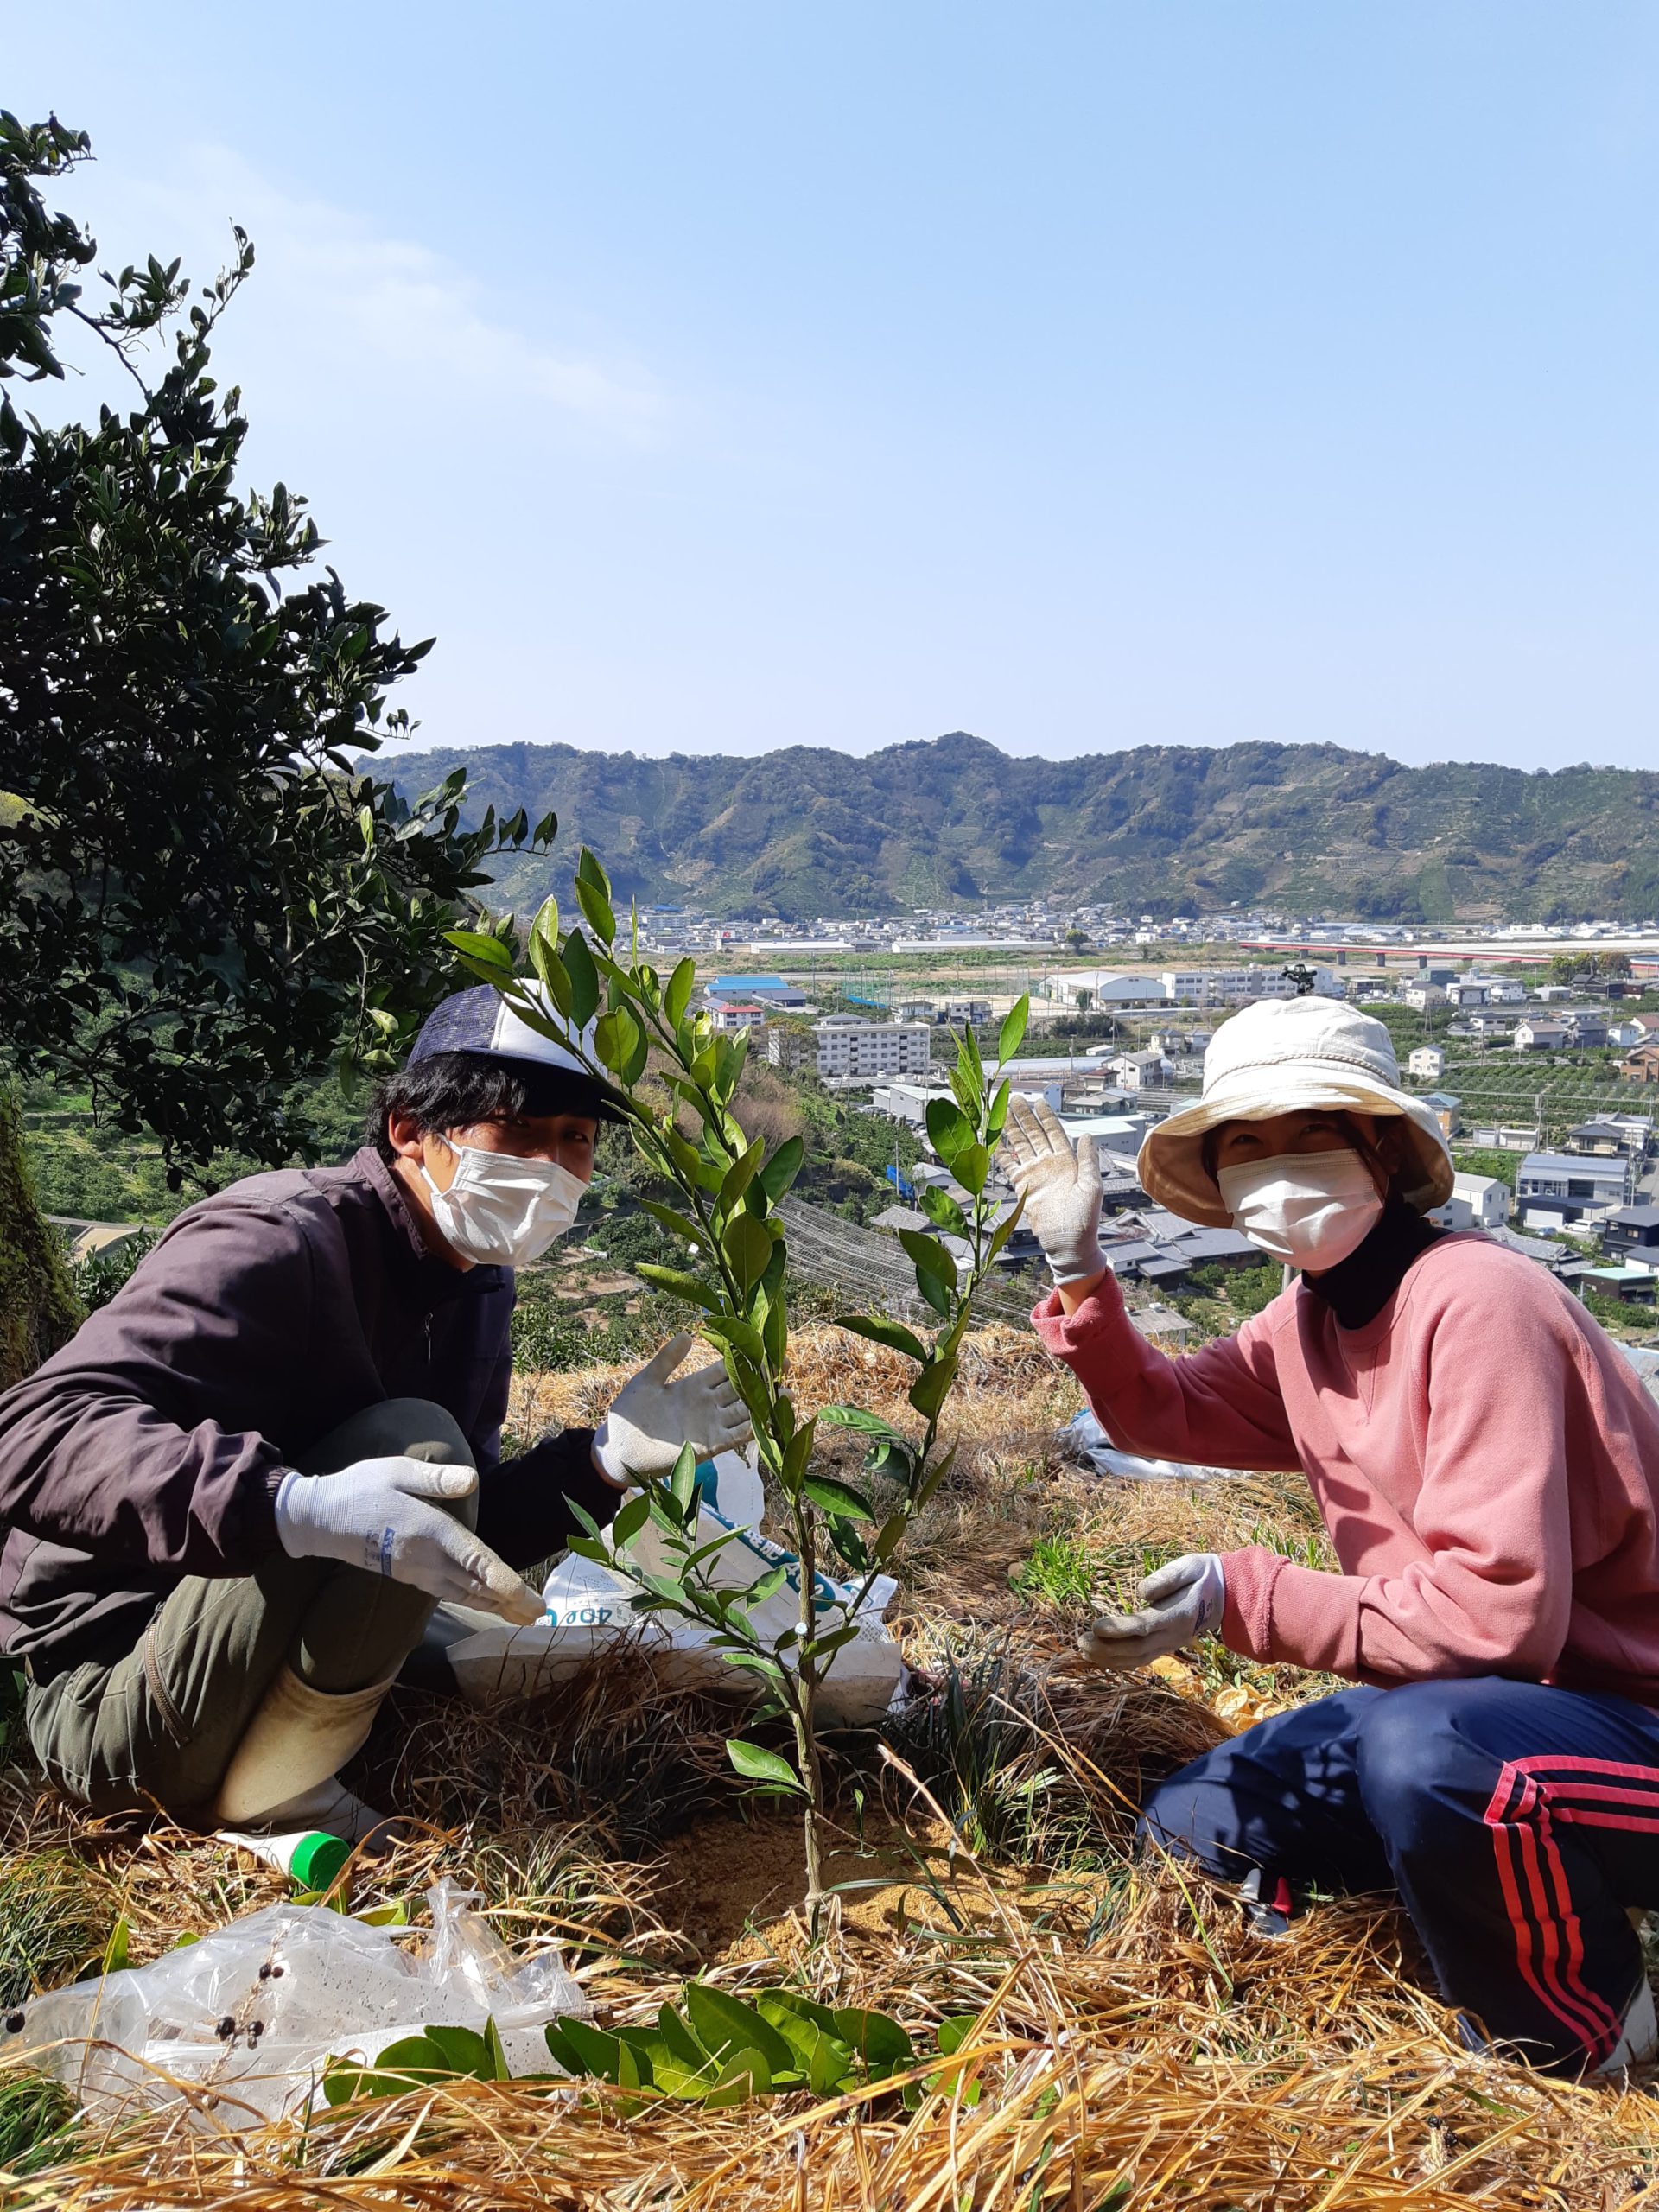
[203, 896]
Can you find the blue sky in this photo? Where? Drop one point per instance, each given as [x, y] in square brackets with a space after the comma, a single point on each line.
[718, 376]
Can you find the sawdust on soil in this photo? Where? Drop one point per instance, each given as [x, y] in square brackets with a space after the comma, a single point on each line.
[733, 1887]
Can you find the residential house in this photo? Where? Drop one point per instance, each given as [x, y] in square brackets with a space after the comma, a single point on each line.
[1448, 1111]
[1477, 1202]
[729, 1016]
[1535, 1035]
[1423, 997]
[1147, 1071]
[1543, 1249]
[1556, 1190]
[1490, 1028]
[1157, 1247]
[1642, 1064]
[1469, 991]
[1610, 1135]
[1503, 1136]
[1505, 993]
[1218, 1248]
[1632, 1237]
[1587, 1026]
[1426, 1064]
[1632, 1286]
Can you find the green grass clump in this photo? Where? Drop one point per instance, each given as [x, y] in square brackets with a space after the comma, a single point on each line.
[55, 1919]
[1060, 1570]
[36, 2116]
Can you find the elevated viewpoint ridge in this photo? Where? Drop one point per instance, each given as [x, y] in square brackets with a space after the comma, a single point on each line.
[807, 831]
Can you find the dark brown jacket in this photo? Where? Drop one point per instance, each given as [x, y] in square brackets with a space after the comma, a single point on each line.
[148, 1448]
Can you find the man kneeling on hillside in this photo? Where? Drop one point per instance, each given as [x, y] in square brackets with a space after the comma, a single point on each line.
[1487, 1466]
[232, 1502]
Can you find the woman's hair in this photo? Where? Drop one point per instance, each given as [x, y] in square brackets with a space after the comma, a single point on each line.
[456, 1091]
[1361, 1144]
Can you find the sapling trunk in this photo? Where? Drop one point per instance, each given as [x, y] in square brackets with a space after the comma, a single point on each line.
[646, 1044]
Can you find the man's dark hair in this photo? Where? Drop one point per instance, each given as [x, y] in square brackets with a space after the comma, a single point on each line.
[454, 1090]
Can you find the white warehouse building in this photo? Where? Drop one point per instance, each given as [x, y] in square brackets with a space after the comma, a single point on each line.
[1105, 986]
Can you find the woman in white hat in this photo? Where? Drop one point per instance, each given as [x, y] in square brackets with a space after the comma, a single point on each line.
[1487, 1466]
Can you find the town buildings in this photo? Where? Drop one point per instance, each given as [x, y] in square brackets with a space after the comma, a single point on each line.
[1558, 1190]
[848, 1048]
[1477, 1202]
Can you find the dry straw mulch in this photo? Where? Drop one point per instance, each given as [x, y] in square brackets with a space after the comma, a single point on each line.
[1136, 2045]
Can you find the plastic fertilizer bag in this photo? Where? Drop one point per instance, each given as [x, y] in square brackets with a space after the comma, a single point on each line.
[590, 1608]
[252, 2013]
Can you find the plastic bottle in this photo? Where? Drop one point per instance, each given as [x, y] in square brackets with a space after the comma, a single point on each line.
[310, 1858]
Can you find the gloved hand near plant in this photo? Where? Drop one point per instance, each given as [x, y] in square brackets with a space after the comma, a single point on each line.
[656, 1414]
[387, 1517]
[1178, 1603]
[1061, 1189]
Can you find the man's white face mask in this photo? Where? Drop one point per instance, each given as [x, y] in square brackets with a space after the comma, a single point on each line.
[1310, 1208]
[503, 1211]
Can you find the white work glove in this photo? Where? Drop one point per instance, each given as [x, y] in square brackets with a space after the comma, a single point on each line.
[1179, 1603]
[1061, 1189]
[652, 1417]
[379, 1515]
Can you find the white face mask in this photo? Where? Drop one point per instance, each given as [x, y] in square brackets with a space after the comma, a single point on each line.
[1310, 1208]
[503, 1211]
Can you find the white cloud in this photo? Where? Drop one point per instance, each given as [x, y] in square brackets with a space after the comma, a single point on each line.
[339, 313]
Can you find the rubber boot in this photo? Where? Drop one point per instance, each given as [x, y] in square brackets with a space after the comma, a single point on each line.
[298, 1739]
[1639, 2042]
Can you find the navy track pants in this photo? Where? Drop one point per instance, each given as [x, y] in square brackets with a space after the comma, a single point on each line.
[1516, 1822]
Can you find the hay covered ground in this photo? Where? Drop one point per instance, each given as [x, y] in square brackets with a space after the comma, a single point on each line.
[1136, 2046]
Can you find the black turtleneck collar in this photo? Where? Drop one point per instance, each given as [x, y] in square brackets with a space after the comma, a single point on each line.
[1358, 1288]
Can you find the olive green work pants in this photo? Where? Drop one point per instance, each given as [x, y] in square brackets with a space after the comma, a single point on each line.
[156, 1727]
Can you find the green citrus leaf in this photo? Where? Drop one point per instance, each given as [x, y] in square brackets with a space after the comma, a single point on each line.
[756, 1763]
[879, 1331]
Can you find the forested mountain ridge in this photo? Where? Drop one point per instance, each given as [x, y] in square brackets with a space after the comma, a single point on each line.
[1162, 829]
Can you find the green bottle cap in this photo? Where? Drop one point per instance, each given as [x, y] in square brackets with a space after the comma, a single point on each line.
[317, 1859]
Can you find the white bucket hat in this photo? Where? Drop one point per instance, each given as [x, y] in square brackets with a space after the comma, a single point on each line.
[1277, 1057]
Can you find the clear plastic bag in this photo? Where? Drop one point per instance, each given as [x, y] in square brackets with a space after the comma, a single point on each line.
[251, 2013]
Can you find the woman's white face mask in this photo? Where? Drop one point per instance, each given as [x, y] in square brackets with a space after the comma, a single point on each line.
[1312, 1209]
[502, 1211]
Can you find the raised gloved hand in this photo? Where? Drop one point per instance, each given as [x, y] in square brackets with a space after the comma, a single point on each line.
[1061, 1188]
[1179, 1603]
[656, 1414]
[381, 1514]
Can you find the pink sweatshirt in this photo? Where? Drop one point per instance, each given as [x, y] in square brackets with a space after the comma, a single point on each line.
[1486, 1462]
